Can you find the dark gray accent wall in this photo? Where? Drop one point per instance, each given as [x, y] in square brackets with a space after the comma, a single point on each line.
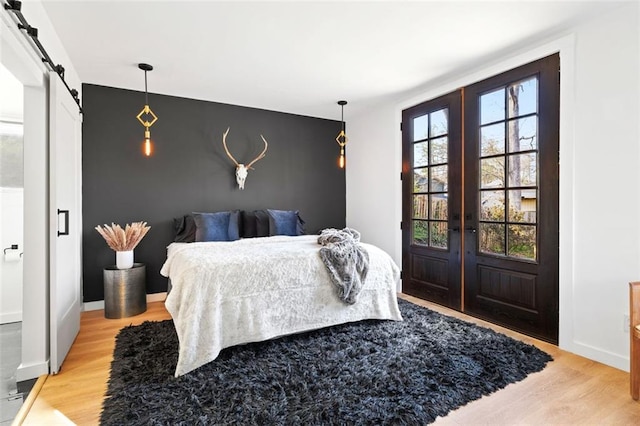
[189, 171]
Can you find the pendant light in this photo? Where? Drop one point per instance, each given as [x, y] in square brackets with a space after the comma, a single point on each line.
[342, 138]
[147, 145]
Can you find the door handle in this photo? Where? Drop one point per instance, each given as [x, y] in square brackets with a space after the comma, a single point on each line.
[470, 229]
[66, 222]
[454, 229]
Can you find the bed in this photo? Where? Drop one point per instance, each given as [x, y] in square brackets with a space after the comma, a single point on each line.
[249, 290]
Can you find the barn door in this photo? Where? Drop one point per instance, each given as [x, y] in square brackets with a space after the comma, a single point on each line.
[65, 289]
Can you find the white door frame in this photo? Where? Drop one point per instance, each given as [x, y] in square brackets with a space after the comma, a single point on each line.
[18, 57]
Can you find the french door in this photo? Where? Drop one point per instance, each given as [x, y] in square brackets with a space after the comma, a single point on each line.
[480, 199]
[432, 200]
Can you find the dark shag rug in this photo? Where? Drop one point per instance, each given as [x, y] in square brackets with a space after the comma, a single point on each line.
[370, 372]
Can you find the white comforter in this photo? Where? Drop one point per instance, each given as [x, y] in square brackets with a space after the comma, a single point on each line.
[229, 293]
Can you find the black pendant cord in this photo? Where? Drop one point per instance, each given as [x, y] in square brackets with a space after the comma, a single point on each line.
[15, 7]
[342, 104]
[146, 93]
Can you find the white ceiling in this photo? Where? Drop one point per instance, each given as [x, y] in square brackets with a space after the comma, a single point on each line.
[297, 56]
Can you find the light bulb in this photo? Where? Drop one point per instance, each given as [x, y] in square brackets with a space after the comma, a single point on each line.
[341, 161]
[147, 146]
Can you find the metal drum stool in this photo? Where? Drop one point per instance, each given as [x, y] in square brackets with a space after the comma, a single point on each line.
[125, 293]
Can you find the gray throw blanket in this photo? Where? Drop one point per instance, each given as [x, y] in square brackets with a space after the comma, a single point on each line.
[346, 260]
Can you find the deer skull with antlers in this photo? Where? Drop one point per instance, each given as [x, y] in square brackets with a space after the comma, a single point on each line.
[241, 169]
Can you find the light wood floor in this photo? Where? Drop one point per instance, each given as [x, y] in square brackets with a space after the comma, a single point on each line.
[570, 390]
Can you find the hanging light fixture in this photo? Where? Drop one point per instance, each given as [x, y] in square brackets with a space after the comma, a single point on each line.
[147, 145]
[342, 138]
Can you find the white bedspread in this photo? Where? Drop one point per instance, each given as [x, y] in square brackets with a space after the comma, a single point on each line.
[229, 293]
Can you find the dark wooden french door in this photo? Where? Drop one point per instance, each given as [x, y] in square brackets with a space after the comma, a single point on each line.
[432, 200]
[480, 222]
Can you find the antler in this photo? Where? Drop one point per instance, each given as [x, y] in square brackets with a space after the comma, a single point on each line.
[262, 154]
[224, 142]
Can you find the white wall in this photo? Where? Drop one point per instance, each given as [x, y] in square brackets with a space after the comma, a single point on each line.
[17, 55]
[607, 184]
[599, 174]
[374, 204]
[11, 210]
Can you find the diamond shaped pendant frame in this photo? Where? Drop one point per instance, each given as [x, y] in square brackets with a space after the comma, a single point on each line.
[342, 138]
[146, 110]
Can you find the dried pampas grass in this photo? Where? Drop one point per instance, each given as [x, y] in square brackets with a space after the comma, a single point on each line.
[123, 239]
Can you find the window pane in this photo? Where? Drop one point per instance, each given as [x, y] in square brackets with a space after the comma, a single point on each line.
[522, 205]
[523, 169]
[420, 127]
[492, 238]
[492, 140]
[523, 134]
[439, 149]
[523, 97]
[439, 179]
[421, 154]
[421, 180]
[420, 206]
[420, 233]
[439, 123]
[522, 241]
[492, 106]
[439, 235]
[11, 155]
[492, 206]
[492, 172]
[11, 129]
[439, 207]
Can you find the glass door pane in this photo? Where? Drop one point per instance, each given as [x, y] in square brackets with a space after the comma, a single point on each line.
[508, 167]
[430, 173]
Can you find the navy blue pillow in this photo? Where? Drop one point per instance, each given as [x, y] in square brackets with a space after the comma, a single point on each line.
[219, 226]
[285, 222]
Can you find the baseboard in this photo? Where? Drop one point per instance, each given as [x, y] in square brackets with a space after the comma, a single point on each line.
[7, 318]
[99, 304]
[157, 297]
[31, 371]
[93, 306]
[596, 354]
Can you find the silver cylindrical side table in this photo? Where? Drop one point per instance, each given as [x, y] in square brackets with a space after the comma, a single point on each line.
[125, 292]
